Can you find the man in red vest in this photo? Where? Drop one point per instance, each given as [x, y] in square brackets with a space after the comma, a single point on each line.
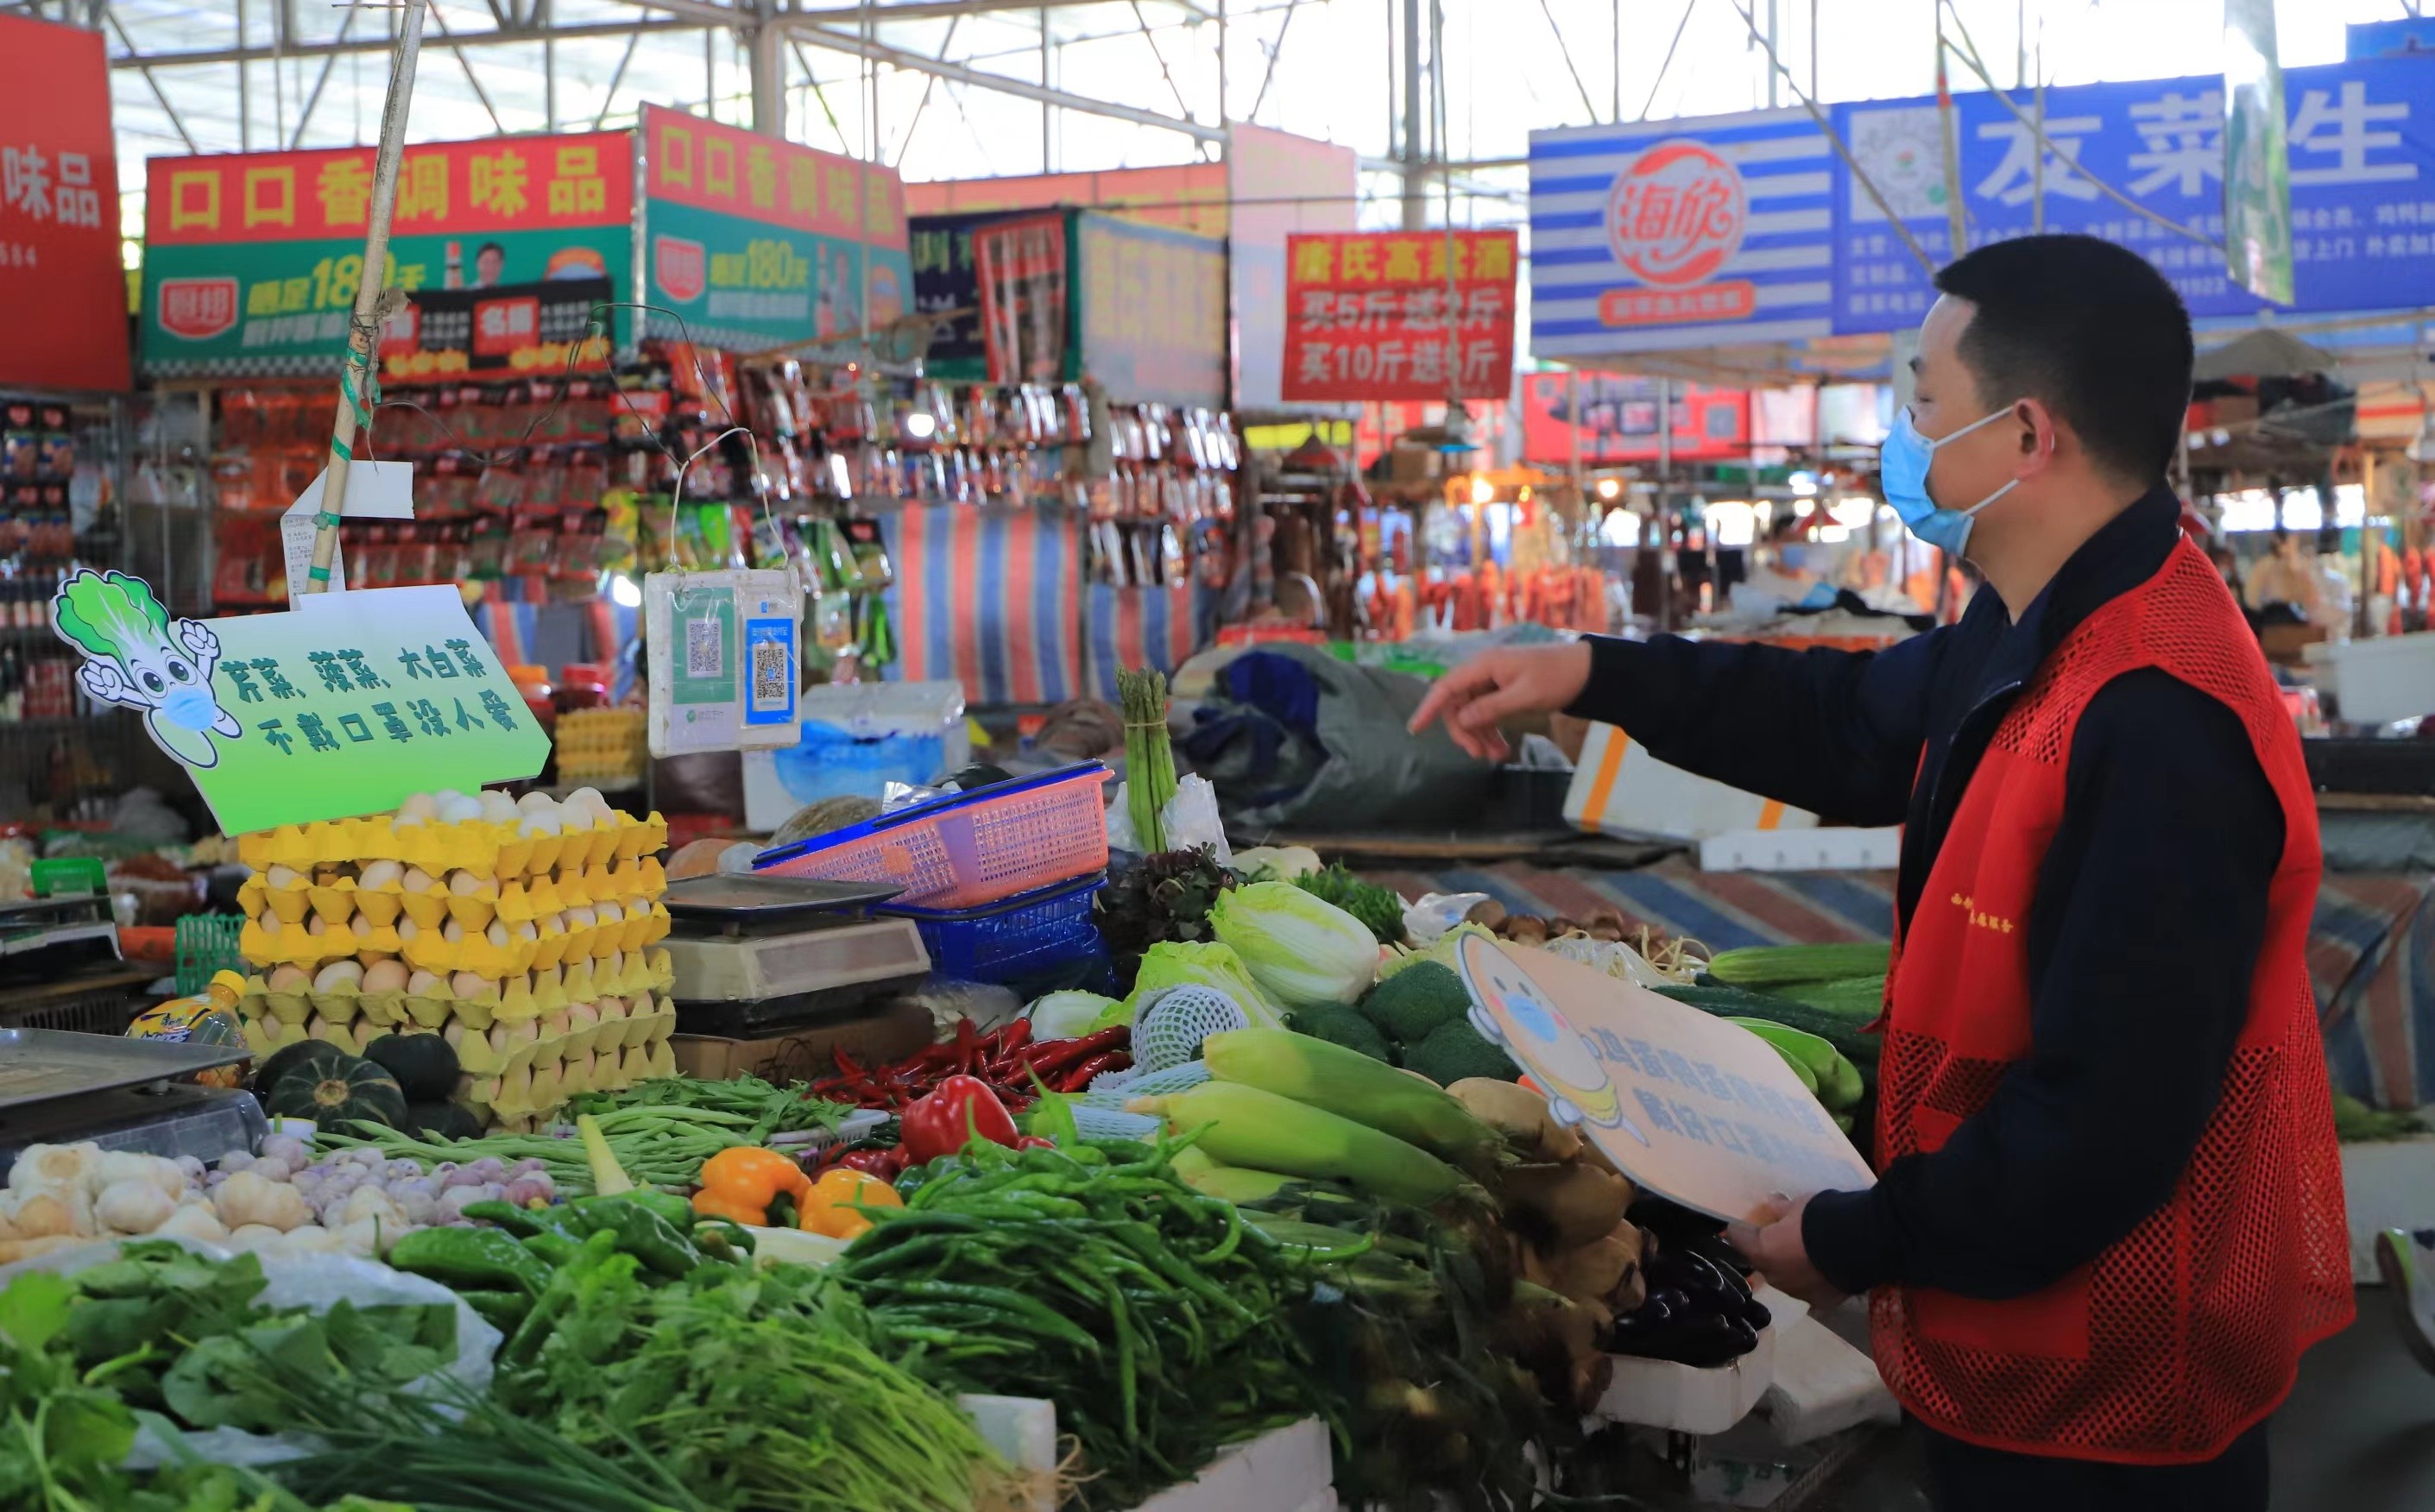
[2109, 1212]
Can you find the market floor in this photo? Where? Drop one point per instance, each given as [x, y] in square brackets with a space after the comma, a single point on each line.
[2358, 1436]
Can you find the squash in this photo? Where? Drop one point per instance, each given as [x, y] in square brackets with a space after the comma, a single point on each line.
[331, 1087]
[424, 1064]
[273, 1066]
[442, 1120]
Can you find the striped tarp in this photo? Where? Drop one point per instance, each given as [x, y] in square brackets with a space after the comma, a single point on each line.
[988, 598]
[1133, 627]
[2370, 952]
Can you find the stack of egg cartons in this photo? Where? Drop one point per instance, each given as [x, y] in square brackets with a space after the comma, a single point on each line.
[522, 931]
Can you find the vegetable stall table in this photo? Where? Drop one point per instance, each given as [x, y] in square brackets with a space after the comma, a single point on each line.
[2370, 952]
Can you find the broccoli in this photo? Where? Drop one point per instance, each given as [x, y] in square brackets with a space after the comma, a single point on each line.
[1409, 1005]
[1341, 1025]
[1454, 1051]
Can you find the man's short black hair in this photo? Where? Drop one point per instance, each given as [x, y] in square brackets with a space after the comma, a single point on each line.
[2089, 329]
[490, 247]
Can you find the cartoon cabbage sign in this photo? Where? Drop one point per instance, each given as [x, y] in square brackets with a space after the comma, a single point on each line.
[137, 657]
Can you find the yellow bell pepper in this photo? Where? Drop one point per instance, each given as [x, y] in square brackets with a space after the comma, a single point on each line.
[740, 1183]
[831, 1207]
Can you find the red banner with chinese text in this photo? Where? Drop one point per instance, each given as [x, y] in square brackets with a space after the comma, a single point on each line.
[61, 282]
[467, 188]
[1381, 315]
[688, 161]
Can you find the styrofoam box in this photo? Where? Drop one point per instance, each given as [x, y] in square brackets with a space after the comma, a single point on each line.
[1284, 1469]
[2377, 681]
[1690, 1399]
[1831, 847]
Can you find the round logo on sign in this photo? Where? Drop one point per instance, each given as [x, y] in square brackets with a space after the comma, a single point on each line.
[1676, 215]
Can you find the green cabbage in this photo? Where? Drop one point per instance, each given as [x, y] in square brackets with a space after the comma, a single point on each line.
[1067, 1015]
[1304, 951]
[1175, 962]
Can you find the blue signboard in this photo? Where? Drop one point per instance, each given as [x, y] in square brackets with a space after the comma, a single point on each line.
[1674, 234]
[2362, 140]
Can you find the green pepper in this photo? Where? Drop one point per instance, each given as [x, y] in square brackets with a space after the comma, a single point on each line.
[501, 1310]
[522, 1222]
[675, 1210]
[638, 1231]
[597, 1263]
[471, 1258]
[711, 1235]
[555, 1246]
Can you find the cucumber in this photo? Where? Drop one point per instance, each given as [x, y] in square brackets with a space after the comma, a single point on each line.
[1732, 1002]
[1858, 998]
[1783, 964]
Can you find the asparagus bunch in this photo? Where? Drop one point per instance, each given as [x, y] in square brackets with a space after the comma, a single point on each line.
[1150, 757]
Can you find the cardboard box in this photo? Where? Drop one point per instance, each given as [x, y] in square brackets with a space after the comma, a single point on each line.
[2287, 644]
[892, 1033]
[1618, 789]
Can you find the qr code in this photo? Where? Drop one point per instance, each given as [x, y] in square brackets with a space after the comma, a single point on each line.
[769, 673]
[704, 649]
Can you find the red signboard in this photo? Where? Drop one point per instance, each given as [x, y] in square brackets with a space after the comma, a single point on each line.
[61, 282]
[1381, 315]
[532, 184]
[688, 161]
[1619, 418]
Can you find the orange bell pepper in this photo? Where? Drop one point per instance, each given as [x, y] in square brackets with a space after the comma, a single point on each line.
[831, 1208]
[740, 1184]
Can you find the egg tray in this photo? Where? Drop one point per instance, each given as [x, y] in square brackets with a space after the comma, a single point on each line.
[337, 902]
[528, 1042]
[507, 1105]
[514, 999]
[428, 949]
[479, 846]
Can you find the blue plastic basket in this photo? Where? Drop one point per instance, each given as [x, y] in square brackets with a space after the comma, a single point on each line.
[1019, 938]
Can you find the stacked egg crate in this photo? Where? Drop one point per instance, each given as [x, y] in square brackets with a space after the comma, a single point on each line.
[522, 932]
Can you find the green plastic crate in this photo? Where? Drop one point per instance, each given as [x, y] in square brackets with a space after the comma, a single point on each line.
[206, 945]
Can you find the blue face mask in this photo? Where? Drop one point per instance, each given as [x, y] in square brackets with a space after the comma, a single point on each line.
[190, 708]
[1902, 467]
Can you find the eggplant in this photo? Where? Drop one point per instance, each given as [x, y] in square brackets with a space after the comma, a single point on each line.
[1699, 1340]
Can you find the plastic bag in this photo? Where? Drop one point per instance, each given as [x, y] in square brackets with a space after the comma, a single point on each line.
[1191, 818]
[1435, 913]
[314, 1282]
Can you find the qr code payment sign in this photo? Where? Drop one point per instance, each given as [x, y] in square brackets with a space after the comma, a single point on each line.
[769, 673]
[705, 648]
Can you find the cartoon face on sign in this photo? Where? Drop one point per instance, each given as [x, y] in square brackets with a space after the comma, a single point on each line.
[1676, 215]
[138, 658]
[1508, 1007]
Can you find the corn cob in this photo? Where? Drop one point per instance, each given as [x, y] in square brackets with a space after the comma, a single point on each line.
[1351, 1085]
[1261, 1131]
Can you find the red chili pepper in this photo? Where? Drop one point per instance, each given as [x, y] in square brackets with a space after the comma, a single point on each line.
[1033, 1142]
[1014, 1038]
[887, 1163]
[1058, 1054]
[1080, 1077]
[944, 1122]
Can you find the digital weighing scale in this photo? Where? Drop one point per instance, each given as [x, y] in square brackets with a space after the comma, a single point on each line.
[57, 1088]
[757, 955]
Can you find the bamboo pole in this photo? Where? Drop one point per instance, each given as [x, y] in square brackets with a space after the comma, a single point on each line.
[363, 328]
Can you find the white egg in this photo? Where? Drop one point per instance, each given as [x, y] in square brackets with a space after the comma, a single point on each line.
[538, 824]
[284, 877]
[315, 927]
[497, 934]
[609, 912]
[464, 883]
[269, 922]
[536, 801]
[408, 822]
[445, 796]
[460, 810]
[418, 807]
[527, 931]
[416, 880]
[581, 919]
[498, 808]
[452, 932]
[588, 799]
[379, 875]
[361, 926]
[575, 821]
[408, 929]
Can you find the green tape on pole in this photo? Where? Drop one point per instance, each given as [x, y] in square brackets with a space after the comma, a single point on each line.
[345, 452]
[325, 520]
[318, 575]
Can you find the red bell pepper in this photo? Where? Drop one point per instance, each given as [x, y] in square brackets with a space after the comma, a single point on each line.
[947, 1120]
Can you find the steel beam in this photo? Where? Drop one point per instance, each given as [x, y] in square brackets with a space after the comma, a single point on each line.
[956, 73]
[167, 109]
[136, 58]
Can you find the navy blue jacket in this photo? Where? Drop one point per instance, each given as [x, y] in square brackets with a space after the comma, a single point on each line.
[2149, 908]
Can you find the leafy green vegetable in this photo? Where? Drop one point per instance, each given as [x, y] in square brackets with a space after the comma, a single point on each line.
[1302, 948]
[1381, 909]
[1162, 897]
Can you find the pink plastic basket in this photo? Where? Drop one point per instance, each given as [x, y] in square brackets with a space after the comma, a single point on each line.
[968, 849]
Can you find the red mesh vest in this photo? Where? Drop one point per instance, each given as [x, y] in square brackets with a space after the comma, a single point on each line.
[2181, 1337]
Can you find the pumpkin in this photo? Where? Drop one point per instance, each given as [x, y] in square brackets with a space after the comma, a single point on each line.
[424, 1065]
[443, 1121]
[331, 1087]
[271, 1067]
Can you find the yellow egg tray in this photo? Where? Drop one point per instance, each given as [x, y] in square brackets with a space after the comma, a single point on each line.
[502, 1049]
[522, 1100]
[479, 846]
[426, 947]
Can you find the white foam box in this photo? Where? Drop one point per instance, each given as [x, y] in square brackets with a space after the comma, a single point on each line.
[1828, 848]
[1284, 1469]
[2377, 680]
[1695, 1400]
[1618, 789]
